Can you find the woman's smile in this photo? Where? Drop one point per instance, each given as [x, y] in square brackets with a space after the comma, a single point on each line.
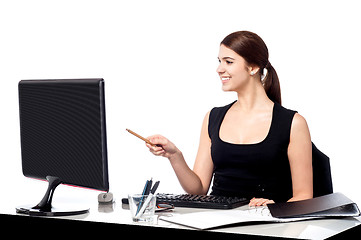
[225, 79]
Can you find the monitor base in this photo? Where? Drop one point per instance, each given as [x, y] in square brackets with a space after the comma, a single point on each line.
[29, 210]
[45, 208]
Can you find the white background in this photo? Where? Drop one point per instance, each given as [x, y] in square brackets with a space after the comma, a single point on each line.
[159, 59]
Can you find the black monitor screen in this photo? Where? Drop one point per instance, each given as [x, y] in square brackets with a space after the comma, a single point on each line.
[63, 133]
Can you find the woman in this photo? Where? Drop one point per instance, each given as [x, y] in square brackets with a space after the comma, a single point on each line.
[253, 147]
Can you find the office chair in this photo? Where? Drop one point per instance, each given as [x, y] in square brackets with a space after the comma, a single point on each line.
[322, 180]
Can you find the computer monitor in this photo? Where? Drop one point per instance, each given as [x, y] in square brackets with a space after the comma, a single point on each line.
[63, 137]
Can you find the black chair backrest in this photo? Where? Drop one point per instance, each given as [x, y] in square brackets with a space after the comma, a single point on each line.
[322, 180]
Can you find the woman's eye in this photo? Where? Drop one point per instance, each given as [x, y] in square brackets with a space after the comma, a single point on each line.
[228, 62]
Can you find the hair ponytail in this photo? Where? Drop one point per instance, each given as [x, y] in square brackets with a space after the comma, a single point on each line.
[252, 48]
[271, 84]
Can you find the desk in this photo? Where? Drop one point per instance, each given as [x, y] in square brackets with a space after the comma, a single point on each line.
[117, 216]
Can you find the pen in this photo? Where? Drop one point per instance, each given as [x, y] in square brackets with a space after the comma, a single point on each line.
[154, 188]
[150, 183]
[145, 189]
[144, 139]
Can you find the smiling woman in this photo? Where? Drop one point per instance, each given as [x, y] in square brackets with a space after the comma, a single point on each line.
[253, 147]
[254, 52]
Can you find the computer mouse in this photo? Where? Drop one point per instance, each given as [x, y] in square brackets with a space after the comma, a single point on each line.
[105, 197]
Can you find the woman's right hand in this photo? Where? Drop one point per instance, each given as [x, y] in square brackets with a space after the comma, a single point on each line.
[162, 146]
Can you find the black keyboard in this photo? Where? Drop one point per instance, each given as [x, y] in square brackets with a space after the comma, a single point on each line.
[199, 201]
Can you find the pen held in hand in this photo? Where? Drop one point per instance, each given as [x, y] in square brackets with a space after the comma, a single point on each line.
[144, 139]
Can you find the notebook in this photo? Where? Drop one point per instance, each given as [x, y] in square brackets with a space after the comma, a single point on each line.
[331, 205]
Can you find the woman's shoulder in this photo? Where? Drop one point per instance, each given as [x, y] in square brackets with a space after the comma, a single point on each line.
[284, 109]
[217, 113]
[221, 109]
[297, 117]
[215, 117]
[298, 122]
[289, 116]
[225, 106]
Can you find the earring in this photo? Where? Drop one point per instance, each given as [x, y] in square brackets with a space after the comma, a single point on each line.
[252, 73]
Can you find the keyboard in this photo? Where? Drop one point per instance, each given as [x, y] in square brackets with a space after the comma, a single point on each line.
[199, 201]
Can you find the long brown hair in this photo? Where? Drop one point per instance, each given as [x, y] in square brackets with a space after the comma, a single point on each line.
[253, 49]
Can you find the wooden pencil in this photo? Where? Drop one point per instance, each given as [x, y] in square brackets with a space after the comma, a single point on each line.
[138, 136]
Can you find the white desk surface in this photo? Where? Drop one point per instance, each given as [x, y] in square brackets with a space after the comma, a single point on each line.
[116, 213]
[315, 229]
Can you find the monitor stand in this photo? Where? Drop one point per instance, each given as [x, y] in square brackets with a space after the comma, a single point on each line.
[44, 208]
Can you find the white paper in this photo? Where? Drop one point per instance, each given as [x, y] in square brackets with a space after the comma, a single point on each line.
[218, 218]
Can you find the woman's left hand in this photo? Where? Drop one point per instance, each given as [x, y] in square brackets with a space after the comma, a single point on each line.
[255, 202]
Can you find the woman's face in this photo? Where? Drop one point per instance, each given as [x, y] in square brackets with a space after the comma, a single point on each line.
[232, 69]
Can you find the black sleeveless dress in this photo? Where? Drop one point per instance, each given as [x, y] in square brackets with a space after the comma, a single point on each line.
[260, 170]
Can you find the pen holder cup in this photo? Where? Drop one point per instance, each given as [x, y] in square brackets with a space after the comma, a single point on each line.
[142, 207]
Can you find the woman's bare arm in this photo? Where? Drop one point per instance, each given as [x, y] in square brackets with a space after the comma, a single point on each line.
[196, 181]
